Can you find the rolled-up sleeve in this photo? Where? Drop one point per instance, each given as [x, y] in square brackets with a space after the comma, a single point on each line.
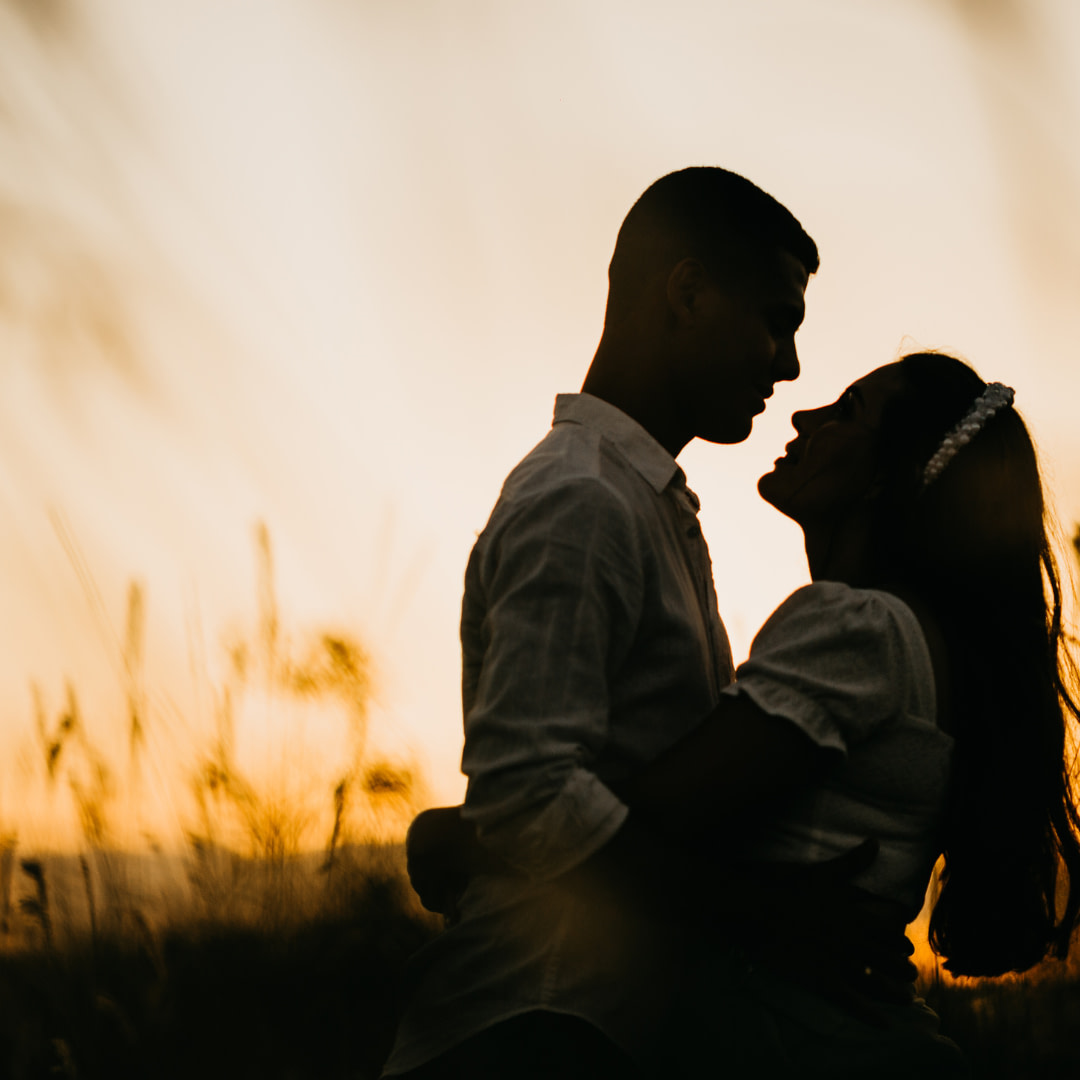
[552, 599]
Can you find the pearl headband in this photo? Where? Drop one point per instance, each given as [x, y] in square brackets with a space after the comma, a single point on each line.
[996, 396]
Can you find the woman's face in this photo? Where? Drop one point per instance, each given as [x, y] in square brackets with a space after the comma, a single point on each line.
[831, 465]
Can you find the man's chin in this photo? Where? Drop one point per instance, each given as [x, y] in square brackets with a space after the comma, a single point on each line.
[731, 432]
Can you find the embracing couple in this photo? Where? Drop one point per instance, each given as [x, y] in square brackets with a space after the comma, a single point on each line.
[665, 866]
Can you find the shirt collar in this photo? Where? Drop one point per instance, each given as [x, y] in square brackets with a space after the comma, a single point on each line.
[632, 441]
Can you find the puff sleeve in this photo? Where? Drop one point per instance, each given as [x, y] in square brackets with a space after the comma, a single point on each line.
[836, 662]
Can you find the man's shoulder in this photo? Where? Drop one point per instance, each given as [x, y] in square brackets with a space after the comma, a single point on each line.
[572, 461]
[568, 484]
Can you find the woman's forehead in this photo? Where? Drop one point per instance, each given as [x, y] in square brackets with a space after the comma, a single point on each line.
[887, 379]
[877, 388]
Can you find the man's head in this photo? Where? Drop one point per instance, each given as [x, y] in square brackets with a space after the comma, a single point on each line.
[706, 293]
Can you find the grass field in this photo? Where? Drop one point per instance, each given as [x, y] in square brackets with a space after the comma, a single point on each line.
[267, 934]
[271, 941]
[1020, 1028]
[300, 975]
[305, 985]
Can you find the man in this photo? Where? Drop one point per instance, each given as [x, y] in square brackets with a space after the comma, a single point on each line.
[591, 641]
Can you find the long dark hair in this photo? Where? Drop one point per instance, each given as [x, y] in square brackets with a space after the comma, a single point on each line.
[974, 545]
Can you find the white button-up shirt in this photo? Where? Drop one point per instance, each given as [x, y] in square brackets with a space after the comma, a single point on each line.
[591, 642]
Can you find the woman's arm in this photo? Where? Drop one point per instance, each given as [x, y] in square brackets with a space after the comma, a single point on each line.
[738, 759]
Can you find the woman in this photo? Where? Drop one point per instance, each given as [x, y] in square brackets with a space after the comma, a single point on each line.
[916, 693]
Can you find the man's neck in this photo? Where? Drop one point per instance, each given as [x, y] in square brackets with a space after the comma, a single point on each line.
[625, 383]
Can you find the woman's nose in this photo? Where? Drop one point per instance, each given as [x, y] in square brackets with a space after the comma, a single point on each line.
[805, 419]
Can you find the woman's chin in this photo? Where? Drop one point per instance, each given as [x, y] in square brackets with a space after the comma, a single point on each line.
[771, 489]
[766, 487]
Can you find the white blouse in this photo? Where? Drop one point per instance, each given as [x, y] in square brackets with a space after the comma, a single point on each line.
[851, 668]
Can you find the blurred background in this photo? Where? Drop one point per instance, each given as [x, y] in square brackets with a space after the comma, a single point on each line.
[288, 286]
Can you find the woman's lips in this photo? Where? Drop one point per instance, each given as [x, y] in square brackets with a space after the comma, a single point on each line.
[791, 452]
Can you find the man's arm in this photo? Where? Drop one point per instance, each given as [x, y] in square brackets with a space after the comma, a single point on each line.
[736, 761]
[668, 857]
[553, 601]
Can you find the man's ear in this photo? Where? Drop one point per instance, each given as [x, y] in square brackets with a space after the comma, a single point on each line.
[686, 285]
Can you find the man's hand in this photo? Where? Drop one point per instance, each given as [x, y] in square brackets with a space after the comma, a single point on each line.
[441, 854]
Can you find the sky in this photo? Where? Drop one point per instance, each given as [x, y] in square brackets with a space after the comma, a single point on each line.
[324, 266]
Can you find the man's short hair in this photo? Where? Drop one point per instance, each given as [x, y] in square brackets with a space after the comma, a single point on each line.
[707, 213]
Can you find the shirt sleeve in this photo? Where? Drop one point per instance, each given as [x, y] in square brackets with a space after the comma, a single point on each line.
[553, 596]
[833, 660]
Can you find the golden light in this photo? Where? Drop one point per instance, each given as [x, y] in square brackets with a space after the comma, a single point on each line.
[325, 266]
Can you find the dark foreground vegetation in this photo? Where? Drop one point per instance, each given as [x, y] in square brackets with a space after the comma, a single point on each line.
[281, 997]
[1020, 1028]
[293, 989]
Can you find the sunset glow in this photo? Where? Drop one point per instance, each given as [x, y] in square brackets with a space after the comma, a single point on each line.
[325, 266]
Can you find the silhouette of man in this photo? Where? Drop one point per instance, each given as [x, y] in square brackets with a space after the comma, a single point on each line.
[591, 641]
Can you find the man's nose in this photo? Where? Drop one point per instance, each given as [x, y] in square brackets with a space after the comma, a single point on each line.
[786, 363]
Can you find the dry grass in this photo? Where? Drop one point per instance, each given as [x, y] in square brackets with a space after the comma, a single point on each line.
[270, 942]
[273, 943]
[262, 990]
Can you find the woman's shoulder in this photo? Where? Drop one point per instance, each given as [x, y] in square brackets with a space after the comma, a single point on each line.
[836, 600]
[845, 660]
[881, 625]
[832, 618]
[889, 630]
